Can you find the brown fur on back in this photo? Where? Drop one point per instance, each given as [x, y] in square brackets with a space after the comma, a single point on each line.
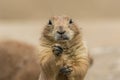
[75, 55]
[18, 61]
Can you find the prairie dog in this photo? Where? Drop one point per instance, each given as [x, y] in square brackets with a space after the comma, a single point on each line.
[63, 54]
[18, 61]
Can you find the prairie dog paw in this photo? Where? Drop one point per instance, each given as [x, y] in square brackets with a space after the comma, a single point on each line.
[66, 70]
[57, 50]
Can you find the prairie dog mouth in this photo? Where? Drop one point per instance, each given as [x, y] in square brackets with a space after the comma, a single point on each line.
[62, 38]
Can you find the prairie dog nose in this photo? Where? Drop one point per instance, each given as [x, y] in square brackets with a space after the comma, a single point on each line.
[61, 32]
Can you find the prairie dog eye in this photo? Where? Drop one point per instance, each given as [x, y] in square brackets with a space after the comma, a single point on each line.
[50, 22]
[70, 22]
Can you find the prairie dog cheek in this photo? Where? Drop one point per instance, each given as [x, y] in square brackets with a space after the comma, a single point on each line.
[71, 34]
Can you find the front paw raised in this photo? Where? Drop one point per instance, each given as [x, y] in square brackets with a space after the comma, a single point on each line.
[66, 70]
[57, 50]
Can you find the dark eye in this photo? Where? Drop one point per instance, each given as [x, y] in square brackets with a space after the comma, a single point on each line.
[70, 22]
[50, 22]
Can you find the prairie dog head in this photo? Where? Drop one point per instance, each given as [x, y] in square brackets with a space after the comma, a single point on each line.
[60, 28]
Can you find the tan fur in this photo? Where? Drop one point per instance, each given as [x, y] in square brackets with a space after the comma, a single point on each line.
[17, 61]
[75, 54]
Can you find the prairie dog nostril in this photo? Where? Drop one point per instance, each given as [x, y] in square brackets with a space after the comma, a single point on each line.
[61, 32]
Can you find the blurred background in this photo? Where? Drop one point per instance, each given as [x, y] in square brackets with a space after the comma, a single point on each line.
[100, 20]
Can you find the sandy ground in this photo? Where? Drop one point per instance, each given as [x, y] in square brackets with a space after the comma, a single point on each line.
[102, 37]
